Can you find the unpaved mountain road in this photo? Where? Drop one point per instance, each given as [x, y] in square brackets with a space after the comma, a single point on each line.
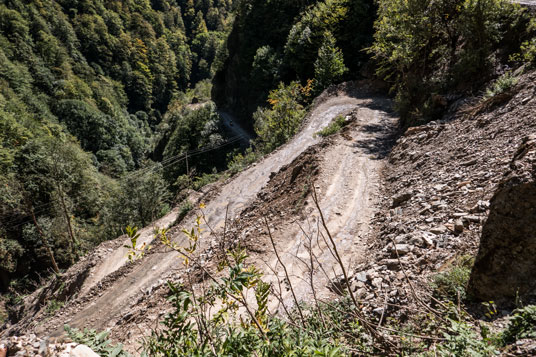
[347, 188]
[347, 182]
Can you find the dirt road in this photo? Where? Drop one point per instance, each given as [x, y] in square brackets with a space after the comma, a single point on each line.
[344, 186]
[347, 190]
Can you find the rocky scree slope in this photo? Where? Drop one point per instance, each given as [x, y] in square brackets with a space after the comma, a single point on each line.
[436, 194]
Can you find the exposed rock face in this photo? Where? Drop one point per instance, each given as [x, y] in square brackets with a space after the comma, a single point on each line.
[506, 260]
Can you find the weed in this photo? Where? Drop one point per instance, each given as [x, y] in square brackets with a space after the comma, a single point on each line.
[462, 340]
[97, 341]
[334, 127]
[53, 306]
[185, 207]
[502, 85]
[451, 284]
[237, 161]
[522, 325]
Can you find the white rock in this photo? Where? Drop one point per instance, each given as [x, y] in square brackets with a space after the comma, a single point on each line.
[83, 351]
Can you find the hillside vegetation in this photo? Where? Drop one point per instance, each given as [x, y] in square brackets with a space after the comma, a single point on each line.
[84, 88]
[109, 115]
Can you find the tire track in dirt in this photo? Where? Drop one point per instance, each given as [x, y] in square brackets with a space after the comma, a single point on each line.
[347, 189]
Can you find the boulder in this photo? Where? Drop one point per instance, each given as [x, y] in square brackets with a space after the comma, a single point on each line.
[506, 261]
[83, 351]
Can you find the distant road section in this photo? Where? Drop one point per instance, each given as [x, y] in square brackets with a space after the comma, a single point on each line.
[527, 3]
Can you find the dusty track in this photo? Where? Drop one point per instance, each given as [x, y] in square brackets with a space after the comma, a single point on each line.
[347, 189]
[347, 181]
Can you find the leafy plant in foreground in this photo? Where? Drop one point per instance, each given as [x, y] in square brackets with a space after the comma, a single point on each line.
[97, 341]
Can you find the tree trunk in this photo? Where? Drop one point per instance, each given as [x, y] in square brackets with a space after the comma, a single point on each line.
[44, 240]
[69, 227]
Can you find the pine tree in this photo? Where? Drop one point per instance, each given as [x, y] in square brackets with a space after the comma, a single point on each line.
[329, 65]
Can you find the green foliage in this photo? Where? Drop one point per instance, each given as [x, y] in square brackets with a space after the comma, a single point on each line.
[276, 40]
[462, 340]
[97, 341]
[10, 252]
[334, 127]
[140, 198]
[53, 306]
[502, 85]
[276, 125]
[185, 207]
[238, 161]
[521, 325]
[191, 131]
[329, 66]
[94, 76]
[452, 283]
[424, 48]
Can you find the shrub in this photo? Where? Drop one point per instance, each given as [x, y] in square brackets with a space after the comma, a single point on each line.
[97, 341]
[461, 340]
[237, 161]
[502, 85]
[522, 325]
[277, 125]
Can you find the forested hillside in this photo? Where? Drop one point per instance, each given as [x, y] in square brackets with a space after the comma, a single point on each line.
[278, 40]
[84, 88]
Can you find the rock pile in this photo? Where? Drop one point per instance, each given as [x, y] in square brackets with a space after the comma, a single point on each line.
[31, 345]
[438, 186]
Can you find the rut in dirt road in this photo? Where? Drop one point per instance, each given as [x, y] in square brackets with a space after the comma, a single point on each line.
[109, 305]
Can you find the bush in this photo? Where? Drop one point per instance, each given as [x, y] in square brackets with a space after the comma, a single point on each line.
[275, 126]
[237, 161]
[502, 85]
[461, 340]
[334, 127]
[522, 325]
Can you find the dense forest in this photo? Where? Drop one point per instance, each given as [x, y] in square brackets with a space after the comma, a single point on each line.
[85, 88]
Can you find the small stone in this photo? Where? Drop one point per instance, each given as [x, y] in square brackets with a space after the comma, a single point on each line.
[361, 276]
[402, 249]
[439, 230]
[458, 226]
[378, 310]
[377, 282]
[401, 198]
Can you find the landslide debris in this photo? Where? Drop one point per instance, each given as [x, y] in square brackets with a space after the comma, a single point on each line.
[437, 189]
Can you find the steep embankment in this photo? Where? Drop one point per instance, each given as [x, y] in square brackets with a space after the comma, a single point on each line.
[436, 192]
[118, 294]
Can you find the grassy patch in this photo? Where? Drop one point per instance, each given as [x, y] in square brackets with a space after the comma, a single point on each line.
[522, 325]
[53, 306]
[451, 284]
[185, 207]
[502, 85]
[334, 127]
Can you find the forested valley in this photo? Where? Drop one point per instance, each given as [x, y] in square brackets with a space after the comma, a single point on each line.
[94, 101]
